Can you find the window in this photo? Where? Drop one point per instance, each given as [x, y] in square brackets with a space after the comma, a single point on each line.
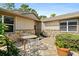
[72, 26]
[63, 26]
[68, 25]
[8, 20]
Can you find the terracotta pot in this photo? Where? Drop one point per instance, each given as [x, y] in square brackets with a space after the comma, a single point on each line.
[63, 51]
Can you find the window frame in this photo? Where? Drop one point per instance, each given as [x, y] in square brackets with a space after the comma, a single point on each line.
[1, 18]
[73, 25]
[63, 25]
[67, 21]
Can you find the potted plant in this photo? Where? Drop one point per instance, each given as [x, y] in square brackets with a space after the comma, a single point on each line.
[63, 51]
[62, 45]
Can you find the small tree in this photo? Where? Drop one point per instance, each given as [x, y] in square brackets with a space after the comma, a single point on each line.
[24, 7]
[53, 15]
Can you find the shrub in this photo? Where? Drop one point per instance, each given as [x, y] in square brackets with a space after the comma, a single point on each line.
[2, 41]
[12, 50]
[3, 53]
[68, 41]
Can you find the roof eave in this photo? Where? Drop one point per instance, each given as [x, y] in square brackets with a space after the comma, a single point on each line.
[17, 14]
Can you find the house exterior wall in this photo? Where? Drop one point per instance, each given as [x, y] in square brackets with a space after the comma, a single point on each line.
[53, 27]
[22, 24]
[26, 25]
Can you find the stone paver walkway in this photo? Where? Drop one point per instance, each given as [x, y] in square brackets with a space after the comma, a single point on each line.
[50, 43]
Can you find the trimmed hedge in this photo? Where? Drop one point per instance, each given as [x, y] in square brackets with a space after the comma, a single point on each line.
[66, 40]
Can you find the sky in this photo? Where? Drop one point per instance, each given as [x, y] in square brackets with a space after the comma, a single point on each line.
[48, 8]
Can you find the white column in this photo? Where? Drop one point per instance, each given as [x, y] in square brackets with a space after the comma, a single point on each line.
[3, 21]
[2, 18]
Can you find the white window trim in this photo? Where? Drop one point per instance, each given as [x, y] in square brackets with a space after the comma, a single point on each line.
[70, 25]
[2, 18]
[73, 25]
[67, 26]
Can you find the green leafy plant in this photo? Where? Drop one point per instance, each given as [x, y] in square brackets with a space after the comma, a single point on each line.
[11, 47]
[67, 40]
[2, 41]
[3, 27]
[12, 50]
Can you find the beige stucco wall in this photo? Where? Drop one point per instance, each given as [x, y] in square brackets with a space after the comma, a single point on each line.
[51, 28]
[25, 25]
[22, 23]
[54, 28]
[53, 25]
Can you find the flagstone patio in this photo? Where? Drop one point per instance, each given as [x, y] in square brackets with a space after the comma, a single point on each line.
[44, 47]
